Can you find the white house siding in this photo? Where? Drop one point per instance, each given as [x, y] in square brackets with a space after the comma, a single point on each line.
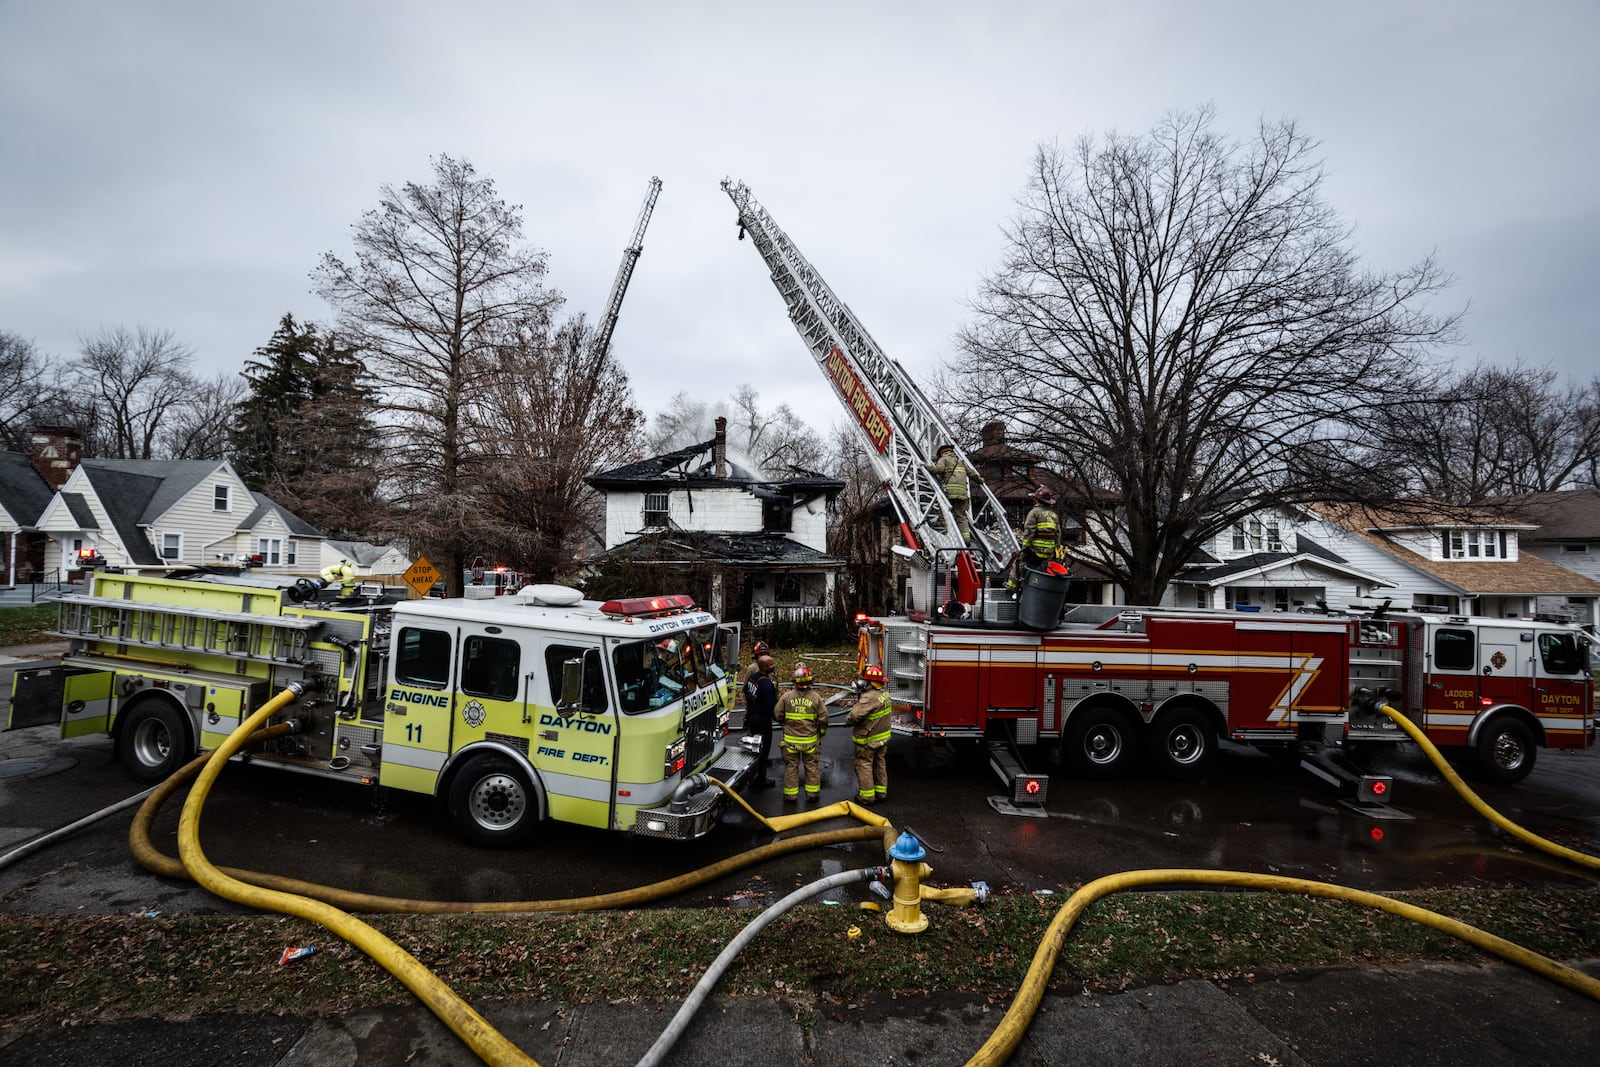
[206, 532]
[1586, 563]
[731, 510]
[57, 521]
[1365, 556]
[810, 528]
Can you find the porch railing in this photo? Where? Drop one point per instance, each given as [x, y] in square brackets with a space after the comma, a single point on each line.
[767, 614]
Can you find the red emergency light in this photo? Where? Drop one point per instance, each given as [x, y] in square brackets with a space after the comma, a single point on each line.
[1379, 788]
[86, 553]
[648, 606]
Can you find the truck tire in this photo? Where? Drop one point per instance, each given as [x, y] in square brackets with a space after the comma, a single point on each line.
[153, 740]
[493, 802]
[1506, 751]
[1098, 743]
[1183, 744]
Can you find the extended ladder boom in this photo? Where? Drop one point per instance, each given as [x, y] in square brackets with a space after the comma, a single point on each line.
[619, 287]
[901, 427]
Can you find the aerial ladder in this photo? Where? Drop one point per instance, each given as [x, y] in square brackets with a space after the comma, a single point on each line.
[619, 287]
[899, 425]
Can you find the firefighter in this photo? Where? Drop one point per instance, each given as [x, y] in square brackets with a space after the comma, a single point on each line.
[870, 721]
[953, 479]
[804, 721]
[1041, 536]
[758, 711]
[758, 650]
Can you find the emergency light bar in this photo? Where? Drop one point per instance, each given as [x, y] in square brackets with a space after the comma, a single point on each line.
[648, 607]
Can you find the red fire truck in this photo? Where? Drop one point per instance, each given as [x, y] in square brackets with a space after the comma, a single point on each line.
[1105, 683]
[1108, 683]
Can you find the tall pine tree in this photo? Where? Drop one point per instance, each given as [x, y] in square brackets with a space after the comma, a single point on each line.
[306, 436]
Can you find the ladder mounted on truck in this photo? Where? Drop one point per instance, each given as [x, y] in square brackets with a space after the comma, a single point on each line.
[619, 286]
[280, 639]
[900, 426]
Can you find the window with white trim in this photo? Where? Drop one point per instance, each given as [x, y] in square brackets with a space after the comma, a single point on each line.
[221, 498]
[291, 553]
[270, 549]
[172, 546]
[1238, 537]
[1274, 538]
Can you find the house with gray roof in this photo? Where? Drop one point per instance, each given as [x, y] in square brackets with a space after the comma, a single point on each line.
[1566, 532]
[24, 493]
[153, 515]
[748, 546]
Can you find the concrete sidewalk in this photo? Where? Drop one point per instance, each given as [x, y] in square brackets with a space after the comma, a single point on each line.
[1451, 1014]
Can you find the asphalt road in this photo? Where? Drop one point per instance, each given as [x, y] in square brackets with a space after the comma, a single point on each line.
[1252, 813]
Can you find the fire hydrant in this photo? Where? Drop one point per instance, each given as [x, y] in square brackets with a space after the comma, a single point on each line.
[906, 916]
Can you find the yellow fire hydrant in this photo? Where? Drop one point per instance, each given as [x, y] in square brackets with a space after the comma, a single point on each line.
[906, 862]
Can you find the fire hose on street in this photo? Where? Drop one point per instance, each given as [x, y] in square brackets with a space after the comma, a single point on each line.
[328, 907]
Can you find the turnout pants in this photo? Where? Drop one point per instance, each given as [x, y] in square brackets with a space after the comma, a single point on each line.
[872, 773]
[798, 758]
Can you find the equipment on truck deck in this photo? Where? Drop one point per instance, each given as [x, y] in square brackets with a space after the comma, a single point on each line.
[512, 710]
[902, 428]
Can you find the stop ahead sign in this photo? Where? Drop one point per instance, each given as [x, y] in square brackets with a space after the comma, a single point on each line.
[421, 575]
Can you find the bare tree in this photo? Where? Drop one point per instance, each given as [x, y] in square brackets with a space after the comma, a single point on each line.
[28, 396]
[127, 385]
[1499, 431]
[197, 428]
[557, 410]
[1180, 321]
[440, 276]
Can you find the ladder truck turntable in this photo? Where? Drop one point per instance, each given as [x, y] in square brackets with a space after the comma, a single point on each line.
[1104, 684]
[510, 711]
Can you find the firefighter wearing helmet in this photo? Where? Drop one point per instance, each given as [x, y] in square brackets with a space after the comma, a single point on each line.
[804, 720]
[1041, 536]
[869, 723]
[954, 478]
[757, 650]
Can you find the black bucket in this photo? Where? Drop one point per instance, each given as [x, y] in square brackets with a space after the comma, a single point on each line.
[1044, 594]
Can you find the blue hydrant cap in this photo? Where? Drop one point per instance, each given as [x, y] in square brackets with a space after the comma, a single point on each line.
[907, 849]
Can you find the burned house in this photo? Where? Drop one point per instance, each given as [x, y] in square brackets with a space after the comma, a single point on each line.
[750, 546]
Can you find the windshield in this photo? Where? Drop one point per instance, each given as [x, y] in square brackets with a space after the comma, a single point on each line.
[658, 671]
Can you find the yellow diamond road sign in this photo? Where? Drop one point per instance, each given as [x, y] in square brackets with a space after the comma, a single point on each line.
[421, 575]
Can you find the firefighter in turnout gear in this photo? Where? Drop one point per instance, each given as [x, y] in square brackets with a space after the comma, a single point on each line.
[869, 720]
[953, 479]
[804, 720]
[1041, 536]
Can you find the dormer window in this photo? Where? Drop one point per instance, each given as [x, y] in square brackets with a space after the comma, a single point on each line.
[1473, 544]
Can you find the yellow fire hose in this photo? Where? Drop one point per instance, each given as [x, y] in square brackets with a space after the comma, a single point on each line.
[496, 1050]
[1008, 1035]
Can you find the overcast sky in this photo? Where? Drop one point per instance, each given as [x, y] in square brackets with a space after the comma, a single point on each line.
[183, 165]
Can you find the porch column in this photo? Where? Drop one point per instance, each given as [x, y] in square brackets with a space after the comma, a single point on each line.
[717, 597]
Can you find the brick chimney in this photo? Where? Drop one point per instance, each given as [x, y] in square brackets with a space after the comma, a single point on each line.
[719, 450]
[994, 433]
[56, 452]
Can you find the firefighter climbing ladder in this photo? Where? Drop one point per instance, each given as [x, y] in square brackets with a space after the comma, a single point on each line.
[901, 426]
[273, 638]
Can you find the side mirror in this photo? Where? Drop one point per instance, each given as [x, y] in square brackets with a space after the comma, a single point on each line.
[571, 698]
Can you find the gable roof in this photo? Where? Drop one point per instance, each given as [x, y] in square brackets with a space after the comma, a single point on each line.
[1527, 575]
[265, 504]
[169, 480]
[362, 553]
[1306, 551]
[24, 494]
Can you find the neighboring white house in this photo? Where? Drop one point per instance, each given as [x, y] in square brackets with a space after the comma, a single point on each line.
[749, 547]
[152, 515]
[1272, 561]
[1456, 564]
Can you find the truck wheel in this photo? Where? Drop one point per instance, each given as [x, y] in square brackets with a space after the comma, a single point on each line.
[152, 741]
[1506, 751]
[1183, 744]
[1098, 743]
[492, 802]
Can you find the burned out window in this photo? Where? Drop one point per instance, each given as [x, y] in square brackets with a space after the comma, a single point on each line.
[1454, 650]
[655, 509]
[422, 657]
